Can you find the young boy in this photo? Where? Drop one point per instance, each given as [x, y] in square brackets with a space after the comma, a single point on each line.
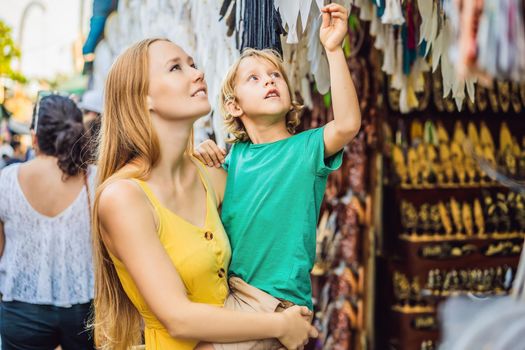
[276, 180]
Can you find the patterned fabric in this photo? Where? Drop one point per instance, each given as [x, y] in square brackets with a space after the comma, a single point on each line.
[46, 260]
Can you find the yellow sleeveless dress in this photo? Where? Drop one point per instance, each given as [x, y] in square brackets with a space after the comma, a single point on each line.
[200, 255]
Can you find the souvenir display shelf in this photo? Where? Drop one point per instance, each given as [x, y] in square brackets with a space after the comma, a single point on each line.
[449, 228]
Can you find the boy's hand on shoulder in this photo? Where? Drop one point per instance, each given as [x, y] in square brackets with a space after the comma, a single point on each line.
[334, 27]
[210, 154]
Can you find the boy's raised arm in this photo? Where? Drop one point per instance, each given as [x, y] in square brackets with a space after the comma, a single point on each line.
[347, 116]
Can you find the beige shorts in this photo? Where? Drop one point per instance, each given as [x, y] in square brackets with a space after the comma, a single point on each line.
[246, 298]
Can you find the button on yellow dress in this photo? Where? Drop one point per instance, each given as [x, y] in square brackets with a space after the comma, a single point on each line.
[200, 255]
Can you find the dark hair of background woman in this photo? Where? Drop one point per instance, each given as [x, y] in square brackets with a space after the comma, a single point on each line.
[60, 133]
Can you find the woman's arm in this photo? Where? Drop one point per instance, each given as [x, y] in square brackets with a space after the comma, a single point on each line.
[128, 225]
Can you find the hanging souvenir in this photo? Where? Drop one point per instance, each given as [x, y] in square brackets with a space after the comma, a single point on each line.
[481, 98]
[504, 95]
[493, 98]
[262, 26]
[515, 97]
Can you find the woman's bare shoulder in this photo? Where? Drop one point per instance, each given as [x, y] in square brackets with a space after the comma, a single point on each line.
[120, 196]
[124, 211]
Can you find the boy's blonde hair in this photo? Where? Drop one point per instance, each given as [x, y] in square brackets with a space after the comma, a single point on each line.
[234, 125]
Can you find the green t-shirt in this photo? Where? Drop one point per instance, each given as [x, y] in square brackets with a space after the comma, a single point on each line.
[270, 211]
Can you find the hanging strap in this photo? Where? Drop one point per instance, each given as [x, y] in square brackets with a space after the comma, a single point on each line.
[207, 182]
[86, 183]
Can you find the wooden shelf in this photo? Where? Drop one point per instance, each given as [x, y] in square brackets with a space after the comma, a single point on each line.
[407, 309]
[427, 237]
[453, 186]
[426, 293]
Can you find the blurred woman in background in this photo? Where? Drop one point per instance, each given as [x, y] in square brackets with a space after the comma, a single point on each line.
[46, 274]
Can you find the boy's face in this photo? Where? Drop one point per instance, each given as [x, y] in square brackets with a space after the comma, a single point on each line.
[260, 89]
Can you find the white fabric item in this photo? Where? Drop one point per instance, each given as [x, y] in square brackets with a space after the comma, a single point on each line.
[289, 11]
[304, 10]
[403, 95]
[425, 10]
[389, 54]
[458, 91]
[447, 68]
[503, 52]
[471, 90]
[112, 33]
[317, 64]
[375, 23]
[239, 25]
[306, 93]
[518, 73]
[317, 57]
[398, 77]
[453, 15]
[470, 322]
[92, 100]
[379, 43]
[103, 59]
[518, 286]
[432, 34]
[347, 4]
[366, 11]
[393, 13]
[295, 67]
[483, 36]
[437, 49]
[46, 260]
[7, 150]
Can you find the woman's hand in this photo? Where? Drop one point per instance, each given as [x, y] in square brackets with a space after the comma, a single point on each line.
[296, 330]
[210, 154]
[334, 27]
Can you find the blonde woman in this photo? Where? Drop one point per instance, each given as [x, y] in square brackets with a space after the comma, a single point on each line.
[161, 253]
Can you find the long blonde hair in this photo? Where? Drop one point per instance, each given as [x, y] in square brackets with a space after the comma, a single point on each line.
[127, 137]
[234, 125]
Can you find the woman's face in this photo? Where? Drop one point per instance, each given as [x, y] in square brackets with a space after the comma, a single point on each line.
[177, 89]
